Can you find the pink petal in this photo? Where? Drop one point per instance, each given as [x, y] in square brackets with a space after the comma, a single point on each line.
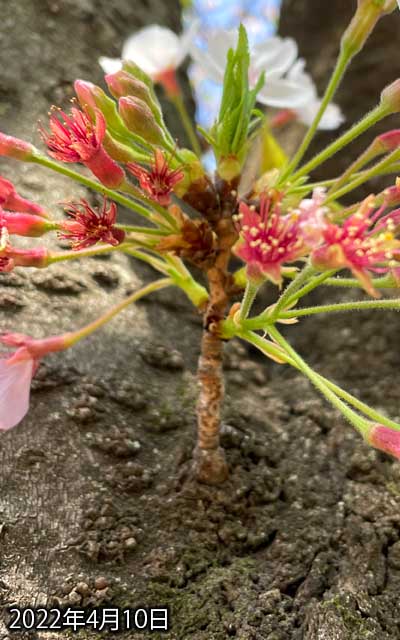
[15, 383]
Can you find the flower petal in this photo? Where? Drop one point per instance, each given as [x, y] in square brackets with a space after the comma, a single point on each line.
[276, 55]
[153, 49]
[110, 65]
[285, 94]
[332, 118]
[15, 382]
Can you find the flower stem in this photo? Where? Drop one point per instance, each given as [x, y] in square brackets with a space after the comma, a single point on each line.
[97, 186]
[368, 155]
[178, 273]
[385, 282]
[368, 121]
[337, 75]
[361, 406]
[291, 290]
[75, 336]
[271, 349]
[355, 305]
[179, 104]
[357, 421]
[313, 284]
[376, 170]
[248, 299]
[142, 230]
[61, 256]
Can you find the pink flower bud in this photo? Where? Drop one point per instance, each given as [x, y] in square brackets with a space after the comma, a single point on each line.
[385, 439]
[38, 257]
[92, 99]
[16, 148]
[390, 97]
[389, 141]
[123, 84]
[9, 199]
[29, 348]
[140, 120]
[25, 224]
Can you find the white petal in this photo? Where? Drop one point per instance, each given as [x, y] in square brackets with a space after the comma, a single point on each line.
[219, 43]
[15, 383]
[208, 64]
[110, 65]
[277, 58]
[284, 94]
[153, 49]
[332, 118]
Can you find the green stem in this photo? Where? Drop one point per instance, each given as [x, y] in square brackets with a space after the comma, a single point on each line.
[355, 305]
[337, 75]
[97, 186]
[86, 253]
[179, 104]
[75, 336]
[265, 347]
[142, 230]
[248, 299]
[376, 170]
[369, 154]
[292, 288]
[313, 284]
[368, 121]
[357, 421]
[156, 263]
[385, 282]
[268, 348]
[361, 406]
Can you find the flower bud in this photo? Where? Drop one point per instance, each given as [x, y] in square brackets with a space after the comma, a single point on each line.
[38, 257]
[123, 84]
[386, 142]
[25, 224]
[384, 438]
[140, 120]
[91, 97]
[16, 148]
[390, 97]
[367, 15]
[10, 200]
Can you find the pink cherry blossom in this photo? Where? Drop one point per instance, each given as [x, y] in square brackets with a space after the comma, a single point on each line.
[75, 138]
[159, 181]
[365, 243]
[87, 226]
[269, 239]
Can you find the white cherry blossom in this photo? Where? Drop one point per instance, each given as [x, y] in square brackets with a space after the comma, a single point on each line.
[155, 49]
[287, 84]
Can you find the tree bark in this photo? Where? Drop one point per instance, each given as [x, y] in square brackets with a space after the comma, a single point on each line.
[210, 464]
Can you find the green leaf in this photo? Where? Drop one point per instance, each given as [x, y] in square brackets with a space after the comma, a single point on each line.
[237, 120]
